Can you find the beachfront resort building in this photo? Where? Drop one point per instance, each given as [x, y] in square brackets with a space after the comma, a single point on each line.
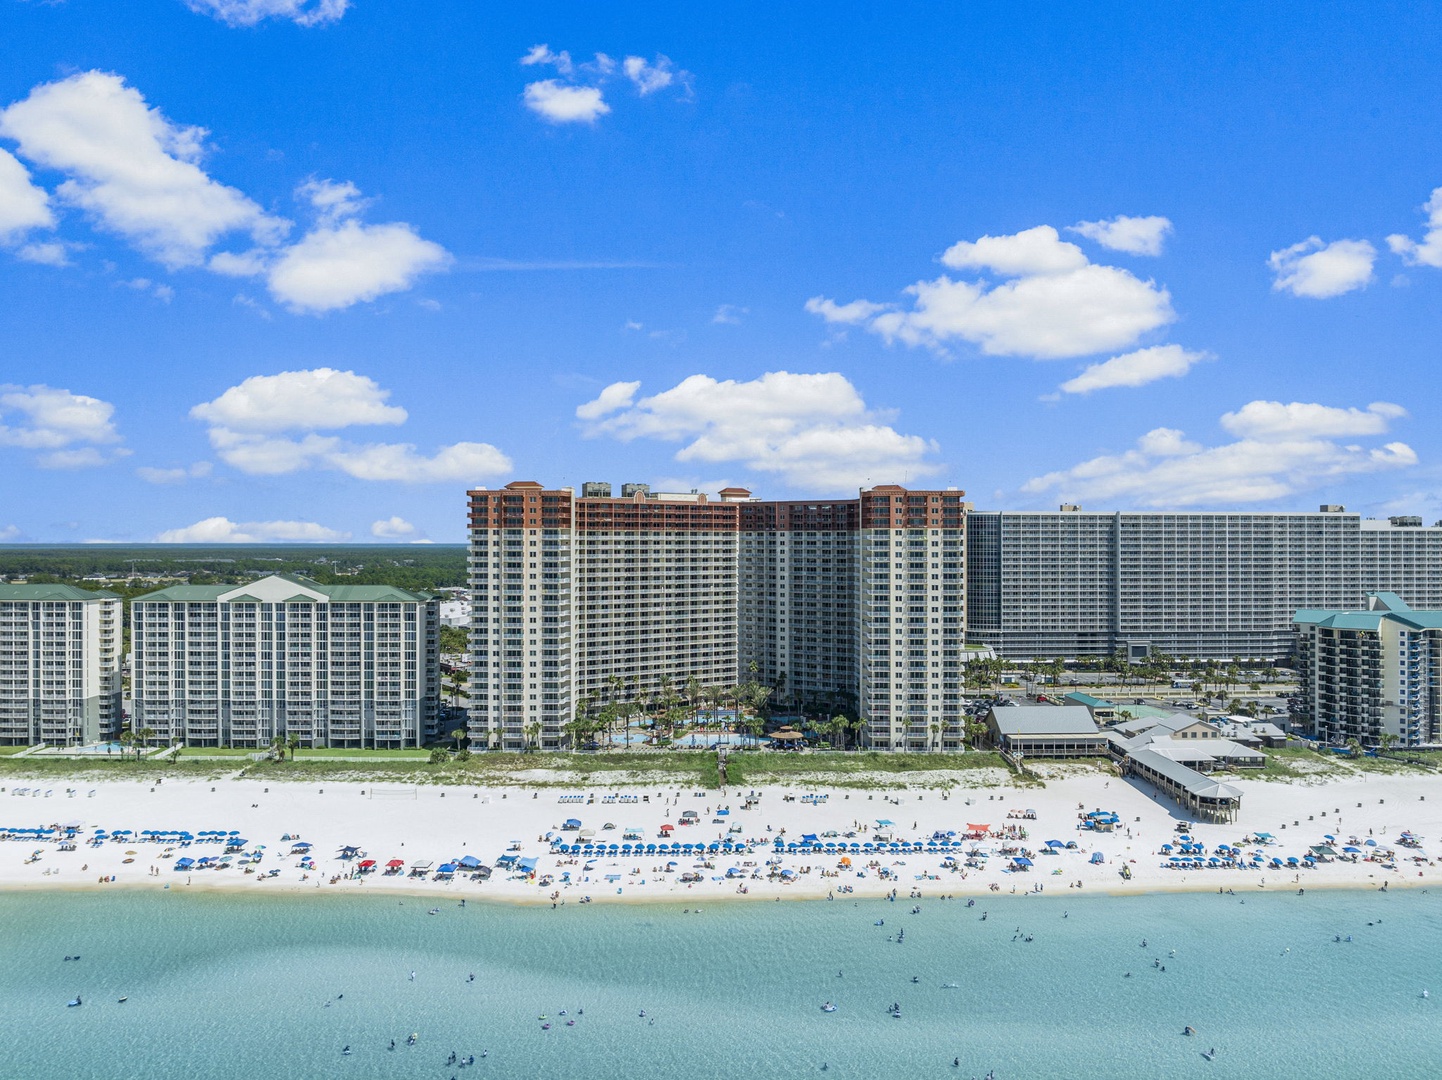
[1372, 675]
[331, 665]
[59, 665]
[1208, 585]
[846, 604]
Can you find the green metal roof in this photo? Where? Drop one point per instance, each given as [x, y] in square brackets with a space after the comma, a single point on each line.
[1368, 620]
[336, 594]
[198, 593]
[1089, 701]
[52, 592]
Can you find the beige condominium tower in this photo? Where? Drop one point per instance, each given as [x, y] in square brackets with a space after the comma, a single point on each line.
[595, 597]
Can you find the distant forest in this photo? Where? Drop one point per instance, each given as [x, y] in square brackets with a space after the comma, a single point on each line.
[418, 567]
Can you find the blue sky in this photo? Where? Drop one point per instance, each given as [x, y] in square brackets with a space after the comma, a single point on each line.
[283, 269]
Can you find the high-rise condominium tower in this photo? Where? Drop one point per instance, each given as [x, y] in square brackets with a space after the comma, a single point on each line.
[59, 665]
[600, 598]
[332, 665]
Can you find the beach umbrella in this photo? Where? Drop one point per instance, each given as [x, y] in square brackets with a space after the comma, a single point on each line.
[1370, 843]
[1055, 844]
[1352, 850]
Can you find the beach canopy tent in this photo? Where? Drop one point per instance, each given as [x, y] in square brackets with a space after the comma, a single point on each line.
[1055, 844]
[1021, 860]
[470, 862]
[349, 852]
[395, 864]
[668, 827]
[526, 865]
[572, 823]
[184, 864]
[366, 864]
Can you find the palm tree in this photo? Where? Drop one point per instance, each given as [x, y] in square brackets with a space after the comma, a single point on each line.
[457, 678]
[458, 734]
[292, 743]
[277, 747]
[975, 730]
[858, 725]
[532, 733]
[146, 734]
[935, 736]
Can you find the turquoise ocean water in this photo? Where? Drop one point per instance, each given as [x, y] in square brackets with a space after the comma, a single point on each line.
[226, 987]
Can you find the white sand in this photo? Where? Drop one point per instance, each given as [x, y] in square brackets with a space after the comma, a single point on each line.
[437, 824]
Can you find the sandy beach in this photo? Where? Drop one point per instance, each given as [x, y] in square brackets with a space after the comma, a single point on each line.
[436, 824]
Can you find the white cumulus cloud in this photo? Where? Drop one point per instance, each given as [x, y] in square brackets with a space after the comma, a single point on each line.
[851, 314]
[140, 176]
[1429, 251]
[152, 475]
[1279, 450]
[268, 425]
[577, 96]
[1134, 369]
[649, 76]
[562, 104]
[542, 54]
[1270, 420]
[393, 528]
[45, 253]
[137, 173]
[335, 266]
[221, 530]
[1052, 303]
[317, 399]
[68, 429]
[251, 12]
[23, 206]
[340, 261]
[1317, 270]
[618, 395]
[814, 431]
[1133, 235]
